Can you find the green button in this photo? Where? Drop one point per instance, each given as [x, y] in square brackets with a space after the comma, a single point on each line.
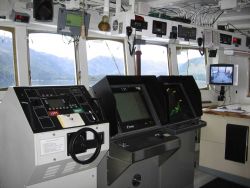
[78, 110]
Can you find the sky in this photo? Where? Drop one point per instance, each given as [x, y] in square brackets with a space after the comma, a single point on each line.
[5, 34]
[182, 57]
[52, 44]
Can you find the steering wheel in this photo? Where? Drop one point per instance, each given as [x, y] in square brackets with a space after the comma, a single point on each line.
[78, 135]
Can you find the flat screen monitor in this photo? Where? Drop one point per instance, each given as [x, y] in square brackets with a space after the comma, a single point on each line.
[132, 108]
[180, 108]
[221, 74]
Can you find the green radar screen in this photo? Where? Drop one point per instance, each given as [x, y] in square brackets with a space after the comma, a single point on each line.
[179, 107]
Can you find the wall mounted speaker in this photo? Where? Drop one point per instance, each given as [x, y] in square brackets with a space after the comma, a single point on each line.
[43, 10]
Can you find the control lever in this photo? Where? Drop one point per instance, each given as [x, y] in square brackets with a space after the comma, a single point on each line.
[27, 105]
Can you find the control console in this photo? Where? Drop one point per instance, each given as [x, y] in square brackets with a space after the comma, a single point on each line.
[57, 135]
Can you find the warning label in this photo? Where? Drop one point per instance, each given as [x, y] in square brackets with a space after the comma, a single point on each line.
[50, 146]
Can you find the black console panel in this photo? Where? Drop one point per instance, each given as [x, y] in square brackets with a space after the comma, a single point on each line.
[43, 105]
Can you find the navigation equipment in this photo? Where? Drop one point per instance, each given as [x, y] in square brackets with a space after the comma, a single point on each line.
[70, 22]
[136, 137]
[132, 109]
[180, 108]
[57, 136]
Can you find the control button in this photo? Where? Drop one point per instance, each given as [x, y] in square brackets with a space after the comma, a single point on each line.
[78, 110]
[53, 113]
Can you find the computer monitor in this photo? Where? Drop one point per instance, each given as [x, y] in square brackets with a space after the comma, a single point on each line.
[132, 108]
[221, 74]
[70, 22]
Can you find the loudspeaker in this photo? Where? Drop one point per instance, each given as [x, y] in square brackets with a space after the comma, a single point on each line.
[43, 10]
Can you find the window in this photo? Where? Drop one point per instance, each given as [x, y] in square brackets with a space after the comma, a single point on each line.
[105, 57]
[190, 62]
[248, 78]
[52, 59]
[7, 58]
[154, 60]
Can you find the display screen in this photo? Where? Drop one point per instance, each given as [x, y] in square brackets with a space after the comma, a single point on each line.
[221, 74]
[131, 106]
[179, 107]
[74, 20]
[55, 103]
[159, 28]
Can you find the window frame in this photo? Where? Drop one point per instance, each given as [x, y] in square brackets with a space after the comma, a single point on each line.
[76, 44]
[248, 95]
[194, 48]
[167, 57]
[12, 30]
[115, 40]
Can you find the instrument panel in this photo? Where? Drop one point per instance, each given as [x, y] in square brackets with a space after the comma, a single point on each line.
[58, 107]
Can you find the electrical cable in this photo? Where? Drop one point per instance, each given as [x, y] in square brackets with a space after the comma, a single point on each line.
[238, 30]
[218, 17]
[113, 58]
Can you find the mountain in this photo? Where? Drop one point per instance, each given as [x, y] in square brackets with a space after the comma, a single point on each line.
[47, 69]
[6, 68]
[196, 69]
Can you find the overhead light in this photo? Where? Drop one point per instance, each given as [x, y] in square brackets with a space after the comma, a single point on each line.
[104, 24]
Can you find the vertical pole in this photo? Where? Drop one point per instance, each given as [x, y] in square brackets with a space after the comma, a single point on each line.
[118, 6]
[106, 7]
[138, 54]
[132, 4]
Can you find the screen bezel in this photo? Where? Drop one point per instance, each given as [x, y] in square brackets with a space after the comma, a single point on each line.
[220, 65]
[139, 123]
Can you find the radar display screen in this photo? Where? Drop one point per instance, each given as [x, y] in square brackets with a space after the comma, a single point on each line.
[131, 106]
[179, 107]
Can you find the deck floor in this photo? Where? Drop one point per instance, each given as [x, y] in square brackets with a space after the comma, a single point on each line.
[201, 178]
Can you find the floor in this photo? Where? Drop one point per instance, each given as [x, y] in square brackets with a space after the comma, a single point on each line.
[201, 178]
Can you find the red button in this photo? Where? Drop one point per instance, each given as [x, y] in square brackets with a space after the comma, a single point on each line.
[235, 40]
[53, 113]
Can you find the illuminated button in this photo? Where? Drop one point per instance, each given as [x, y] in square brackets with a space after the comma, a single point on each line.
[78, 110]
[53, 113]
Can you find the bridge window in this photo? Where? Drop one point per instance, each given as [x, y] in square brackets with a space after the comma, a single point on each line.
[191, 62]
[52, 59]
[248, 79]
[7, 58]
[154, 60]
[105, 57]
